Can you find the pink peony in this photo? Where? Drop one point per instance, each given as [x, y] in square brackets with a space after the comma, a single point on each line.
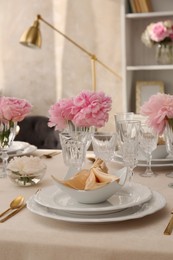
[60, 113]
[13, 109]
[158, 32]
[159, 108]
[93, 109]
[87, 109]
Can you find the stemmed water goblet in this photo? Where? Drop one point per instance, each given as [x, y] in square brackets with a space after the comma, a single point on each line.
[104, 145]
[74, 153]
[128, 140]
[7, 134]
[168, 135]
[148, 143]
[123, 116]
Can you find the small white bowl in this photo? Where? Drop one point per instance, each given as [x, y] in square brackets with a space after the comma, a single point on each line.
[98, 195]
[160, 152]
[27, 179]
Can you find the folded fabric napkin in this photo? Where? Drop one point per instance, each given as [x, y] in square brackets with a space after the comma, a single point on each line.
[96, 177]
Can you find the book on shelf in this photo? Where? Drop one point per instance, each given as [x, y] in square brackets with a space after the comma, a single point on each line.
[140, 6]
[133, 6]
[145, 6]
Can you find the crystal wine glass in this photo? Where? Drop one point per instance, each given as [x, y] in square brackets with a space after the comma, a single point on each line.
[7, 134]
[128, 139]
[168, 135]
[148, 143]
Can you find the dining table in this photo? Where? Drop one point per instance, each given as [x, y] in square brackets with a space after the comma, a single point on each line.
[30, 236]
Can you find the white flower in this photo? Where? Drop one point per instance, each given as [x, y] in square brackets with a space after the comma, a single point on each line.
[26, 165]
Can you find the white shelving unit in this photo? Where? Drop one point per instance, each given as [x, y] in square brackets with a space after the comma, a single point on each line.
[139, 61]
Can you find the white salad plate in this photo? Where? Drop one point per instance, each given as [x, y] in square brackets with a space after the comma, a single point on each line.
[27, 150]
[54, 198]
[16, 147]
[156, 203]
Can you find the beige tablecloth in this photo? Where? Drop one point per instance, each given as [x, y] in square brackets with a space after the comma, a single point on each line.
[28, 236]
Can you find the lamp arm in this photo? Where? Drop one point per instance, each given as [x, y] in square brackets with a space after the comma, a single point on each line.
[92, 56]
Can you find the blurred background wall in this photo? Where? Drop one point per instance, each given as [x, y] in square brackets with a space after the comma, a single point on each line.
[59, 69]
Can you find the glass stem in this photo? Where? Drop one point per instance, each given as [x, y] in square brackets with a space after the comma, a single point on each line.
[149, 162]
[4, 164]
[129, 175]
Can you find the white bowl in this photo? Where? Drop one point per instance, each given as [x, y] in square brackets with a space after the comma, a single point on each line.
[160, 152]
[98, 195]
[27, 179]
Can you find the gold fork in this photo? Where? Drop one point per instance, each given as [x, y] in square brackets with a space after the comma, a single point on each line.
[169, 228]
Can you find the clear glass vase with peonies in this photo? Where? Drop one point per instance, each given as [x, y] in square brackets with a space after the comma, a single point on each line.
[159, 112]
[160, 34]
[12, 110]
[78, 116]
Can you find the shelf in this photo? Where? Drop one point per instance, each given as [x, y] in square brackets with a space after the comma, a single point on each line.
[139, 62]
[148, 15]
[150, 67]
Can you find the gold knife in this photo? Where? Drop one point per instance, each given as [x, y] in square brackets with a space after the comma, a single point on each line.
[12, 214]
[169, 228]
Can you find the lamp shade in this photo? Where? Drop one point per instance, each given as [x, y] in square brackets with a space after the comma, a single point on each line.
[32, 37]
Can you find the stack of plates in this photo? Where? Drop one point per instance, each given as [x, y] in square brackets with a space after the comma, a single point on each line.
[132, 202]
[161, 162]
[21, 148]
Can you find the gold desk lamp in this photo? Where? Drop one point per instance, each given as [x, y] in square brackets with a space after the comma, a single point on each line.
[32, 38]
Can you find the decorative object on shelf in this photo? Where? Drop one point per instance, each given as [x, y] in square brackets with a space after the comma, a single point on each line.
[12, 110]
[161, 35]
[164, 53]
[145, 89]
[26, 171]
[32, 38]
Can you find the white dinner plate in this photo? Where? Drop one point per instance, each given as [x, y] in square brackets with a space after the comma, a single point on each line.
[17, 146]
[54, 198]
[28, 150]
[154, 162]
[156, 203]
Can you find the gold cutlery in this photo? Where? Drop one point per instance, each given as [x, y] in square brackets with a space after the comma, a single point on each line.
[169, 228]
[50, 155]
[16, 203]
[13, 213]
[92, 159]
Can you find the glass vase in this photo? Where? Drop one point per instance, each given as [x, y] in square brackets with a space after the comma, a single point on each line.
[81, 133]
[7, 134]
[164, 53]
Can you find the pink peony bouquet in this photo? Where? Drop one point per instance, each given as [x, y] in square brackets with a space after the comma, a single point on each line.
[159, 110]
[159, 32]
[13, 109]
[85, 110]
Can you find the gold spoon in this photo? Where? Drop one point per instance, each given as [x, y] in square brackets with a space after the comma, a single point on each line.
[92, 159]
[16, 203]
[50, 155]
